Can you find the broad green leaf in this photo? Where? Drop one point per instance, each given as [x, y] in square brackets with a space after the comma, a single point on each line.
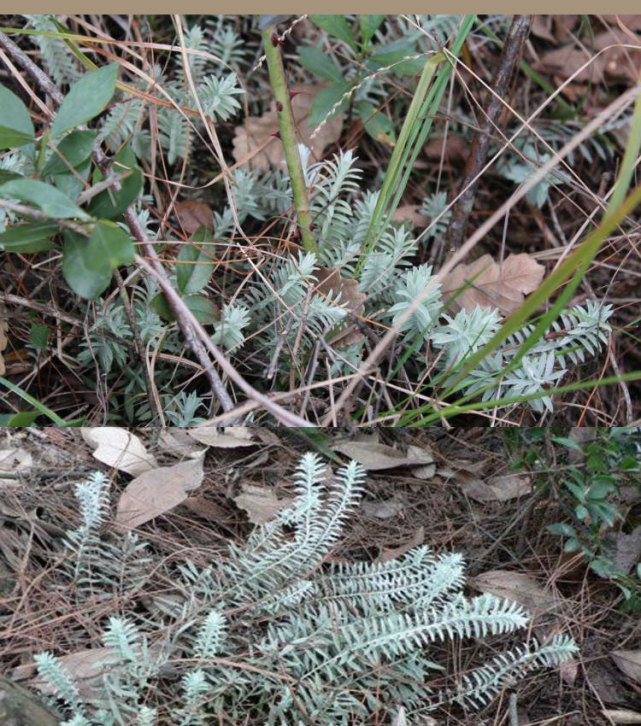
[318, 62]
[39, 335]
[337, 26]
[49, 199]
[203, 309]
[393, 55]
[6, 176]
[113, 243]
[12, 139]
[377, 125]
[326, 100]
[86, 99]
[194, 264]
[73, 183]
[369, 24]
[73, 149]
[88, 274]
[112, 203]
[22, 419]
[29, 237]
[16, 128]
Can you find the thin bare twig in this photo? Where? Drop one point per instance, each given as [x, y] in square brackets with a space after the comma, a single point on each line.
[510, 58]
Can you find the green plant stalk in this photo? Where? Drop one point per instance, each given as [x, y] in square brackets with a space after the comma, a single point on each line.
[34, 402]
[456, 410]
[629, 158]
[288, 138]
[414, 131]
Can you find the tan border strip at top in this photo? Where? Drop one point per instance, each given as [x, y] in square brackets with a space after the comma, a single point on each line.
[307, 6]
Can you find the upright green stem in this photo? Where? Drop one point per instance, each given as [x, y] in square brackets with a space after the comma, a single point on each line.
[288, 136]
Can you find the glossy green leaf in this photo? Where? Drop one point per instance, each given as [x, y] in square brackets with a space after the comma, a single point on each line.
[319, 63]
[28, 237]
[326, 100]
[73, 182]
[194, 264]
[112, 203]
[337, 26]
[16, 128]
[86, 99]
[369, 24]
[49, 199]
[70, 153]
[88, 274]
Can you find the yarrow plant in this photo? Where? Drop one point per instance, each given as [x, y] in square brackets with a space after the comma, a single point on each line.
[282, 631]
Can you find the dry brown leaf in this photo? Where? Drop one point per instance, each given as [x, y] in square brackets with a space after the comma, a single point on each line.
[383, 509]
[456, 149]
[230, 438]
[410, 213]
[616, 62]
[193, 215]
[155, 492]
[86, 667]
[519, 587]
[622, 715]
[627, 549]
[256, 130]
[177, 441]
[416, 540]
[631, 22]
[375, 456]
[330, 284]
[494, 285]
[628, 661]
[119, 448]
[260, 503]
[498, 488]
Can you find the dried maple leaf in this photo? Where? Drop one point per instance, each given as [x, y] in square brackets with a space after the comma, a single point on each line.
[493, 285]
[257, 129]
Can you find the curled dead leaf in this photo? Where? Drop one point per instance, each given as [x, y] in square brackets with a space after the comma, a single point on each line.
[230, 438]
[257, 130]
[375, 456]
[629, 662]
[119, 448]
[497, 489]
[493, 285]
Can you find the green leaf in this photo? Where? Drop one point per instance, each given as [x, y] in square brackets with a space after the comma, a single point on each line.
[112, 203]
[49, 199]
[22, 419]
[194, 265]
[70, 152]
[39, 335]
[203, 309]
[377, 125]
[369, 24]
[393, 54]
[326, 100]
[566, 530]
[87, 274]
[337, 26]
[110, 241]
[320, 63]
[29, 237]
[16, 128]
[86, 99]
[581, 512]
[73, 183]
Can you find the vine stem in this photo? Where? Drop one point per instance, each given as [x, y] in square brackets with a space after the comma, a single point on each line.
[288, 135]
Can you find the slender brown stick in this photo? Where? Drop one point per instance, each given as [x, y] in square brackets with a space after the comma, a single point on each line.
[510, 59]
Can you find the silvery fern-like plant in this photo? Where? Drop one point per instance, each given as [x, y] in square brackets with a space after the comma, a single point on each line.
[282, 631]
